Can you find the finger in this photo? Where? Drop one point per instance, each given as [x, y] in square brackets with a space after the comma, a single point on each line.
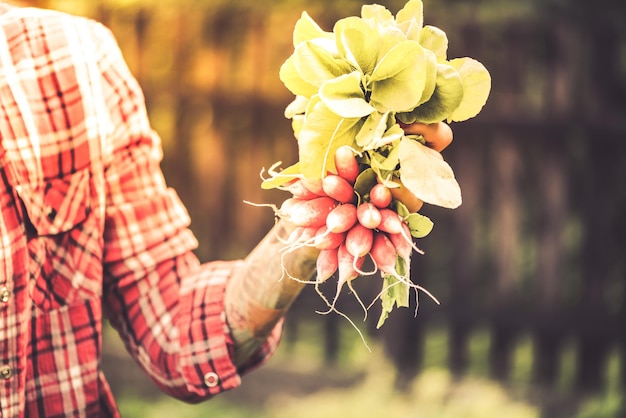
[437, 135]
[404, 195]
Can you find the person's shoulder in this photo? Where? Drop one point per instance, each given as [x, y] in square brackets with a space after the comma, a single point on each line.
[51, 27]
[10, 14]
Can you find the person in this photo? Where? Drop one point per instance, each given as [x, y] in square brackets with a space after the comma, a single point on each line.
[90, 230]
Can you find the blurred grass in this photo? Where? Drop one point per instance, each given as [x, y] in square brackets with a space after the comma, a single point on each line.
[297, 383]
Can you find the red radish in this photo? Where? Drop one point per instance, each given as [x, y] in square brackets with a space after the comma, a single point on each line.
[326, 264]
[288, 204]
[347, 266]
[368, 215]
[338, 188]
[309, 213]
[313, 185]
[341, 218]
[393, 224]
[346, 164]
[301, 234]
[297, 189]
[384, 254]
[359, 240]
[326, 240]
[403, 247]
[390, 222]
[380, 196]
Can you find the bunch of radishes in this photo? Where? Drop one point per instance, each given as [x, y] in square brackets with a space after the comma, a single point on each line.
[347, 227]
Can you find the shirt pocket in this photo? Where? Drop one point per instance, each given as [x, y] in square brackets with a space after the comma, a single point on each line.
[62, 265]
[57, 205]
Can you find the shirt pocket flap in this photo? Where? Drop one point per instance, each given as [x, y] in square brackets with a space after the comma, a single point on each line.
[57, 205]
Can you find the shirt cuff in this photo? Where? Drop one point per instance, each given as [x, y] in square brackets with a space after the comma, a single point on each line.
[205, 340]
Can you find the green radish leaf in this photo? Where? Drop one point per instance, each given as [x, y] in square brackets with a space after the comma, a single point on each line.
[435, 40]
[297, 107]
[372, 130]
[365, 181]
[377, 13]
[316, 64]
[400, 209]
[296, 125]
[402, 56]
[344, 97]
[413, 10]
[285, 176]
[292, 79]
[424, 172]
[395, 292]
[430, 76]
[359, 42]
[419, 225]
[445, 99]
[391, 135]
[398, 81]
[323, 131]
[411, 30]
[307, 29]
[382, 162]
[476, 86]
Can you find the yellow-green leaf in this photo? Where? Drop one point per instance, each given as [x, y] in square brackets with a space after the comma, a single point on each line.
[397, 83]
[322, 133]
[343, 96]
[281, 178]
[307, 29]
[376, 12]
[316, 62]
[412, 10]
[359, 42]
[476, 87]
[436, 40]
[294, 81]
[444, 100]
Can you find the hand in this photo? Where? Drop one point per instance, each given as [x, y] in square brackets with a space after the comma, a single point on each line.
[437, 136]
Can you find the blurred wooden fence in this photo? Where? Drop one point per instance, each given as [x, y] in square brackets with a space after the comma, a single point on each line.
[537, 248]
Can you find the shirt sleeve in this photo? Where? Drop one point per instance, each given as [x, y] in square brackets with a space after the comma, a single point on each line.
[167, 307]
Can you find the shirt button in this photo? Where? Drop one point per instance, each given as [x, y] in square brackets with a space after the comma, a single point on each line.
[211, 379]
[5, 295]
[51, 213]
[6, 372]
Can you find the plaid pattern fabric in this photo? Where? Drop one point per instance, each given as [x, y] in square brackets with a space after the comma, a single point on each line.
[87, 224]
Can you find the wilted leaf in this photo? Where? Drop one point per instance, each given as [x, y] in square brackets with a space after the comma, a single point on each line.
[424, 172]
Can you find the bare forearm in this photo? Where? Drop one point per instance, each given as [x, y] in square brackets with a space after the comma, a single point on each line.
[259, 294]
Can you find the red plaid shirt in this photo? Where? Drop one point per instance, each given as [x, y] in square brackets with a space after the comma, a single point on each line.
[88, 224]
